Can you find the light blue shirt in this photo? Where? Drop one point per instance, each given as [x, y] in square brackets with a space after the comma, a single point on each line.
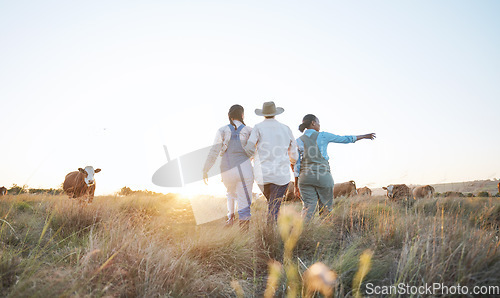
[324, 138]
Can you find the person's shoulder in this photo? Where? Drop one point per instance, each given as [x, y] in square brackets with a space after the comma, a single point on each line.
[288, 131]
[258, 125]
[286, 127]
[279, 123]
[249, 128]
[327, 134]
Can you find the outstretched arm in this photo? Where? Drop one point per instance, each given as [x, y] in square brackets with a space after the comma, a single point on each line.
[332, 138]
[370, 136]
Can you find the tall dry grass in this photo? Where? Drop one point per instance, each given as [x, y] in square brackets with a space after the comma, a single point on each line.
[142, 246]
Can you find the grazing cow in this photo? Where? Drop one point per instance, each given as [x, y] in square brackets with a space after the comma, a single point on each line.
[81, 183]
[425, 191]
[498, 187]
[364, 191]
[344, 189]
[397, 191]
[3, 191]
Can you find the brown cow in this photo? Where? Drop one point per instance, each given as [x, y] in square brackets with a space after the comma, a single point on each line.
[425, 191]
[397, 191]
[364, 191]
[81, 183]
[498, 187]
[344, 189]
[3, 191]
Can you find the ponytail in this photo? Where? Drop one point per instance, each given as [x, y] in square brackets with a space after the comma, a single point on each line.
[236, 112]
[302, 127]
[307, 121]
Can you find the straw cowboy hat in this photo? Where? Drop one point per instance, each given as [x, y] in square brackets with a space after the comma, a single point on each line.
[269, 109]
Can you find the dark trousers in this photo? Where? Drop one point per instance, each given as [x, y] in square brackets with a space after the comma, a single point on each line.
[274, 194]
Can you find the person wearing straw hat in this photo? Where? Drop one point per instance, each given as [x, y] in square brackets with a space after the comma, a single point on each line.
[274, 149]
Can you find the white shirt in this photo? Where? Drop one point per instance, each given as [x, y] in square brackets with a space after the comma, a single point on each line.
[275, 148]
[221, 142]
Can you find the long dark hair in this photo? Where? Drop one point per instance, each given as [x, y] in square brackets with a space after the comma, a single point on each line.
[236, 112]
[306, 121]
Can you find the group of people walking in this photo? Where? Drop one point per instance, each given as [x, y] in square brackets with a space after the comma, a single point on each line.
[275, 152]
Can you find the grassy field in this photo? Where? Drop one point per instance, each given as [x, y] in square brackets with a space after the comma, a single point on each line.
[140, 246]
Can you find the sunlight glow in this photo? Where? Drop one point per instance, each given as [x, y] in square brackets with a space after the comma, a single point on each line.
[87, 87]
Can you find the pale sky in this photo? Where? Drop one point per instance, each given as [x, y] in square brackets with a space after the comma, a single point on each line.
[108, 83]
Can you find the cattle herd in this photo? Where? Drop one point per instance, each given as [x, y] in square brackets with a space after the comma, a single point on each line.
[81, 185]
[394, 191]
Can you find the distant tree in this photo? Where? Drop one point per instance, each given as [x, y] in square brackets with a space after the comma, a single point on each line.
[469, 195]
[126, 191]
[50, 191]
[16, 189]
[483, 194]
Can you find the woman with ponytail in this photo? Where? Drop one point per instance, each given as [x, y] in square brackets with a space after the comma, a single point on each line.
[236, 168]
[313, 180]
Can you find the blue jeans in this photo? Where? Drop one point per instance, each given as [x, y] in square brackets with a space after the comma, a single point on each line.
[274, 194]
